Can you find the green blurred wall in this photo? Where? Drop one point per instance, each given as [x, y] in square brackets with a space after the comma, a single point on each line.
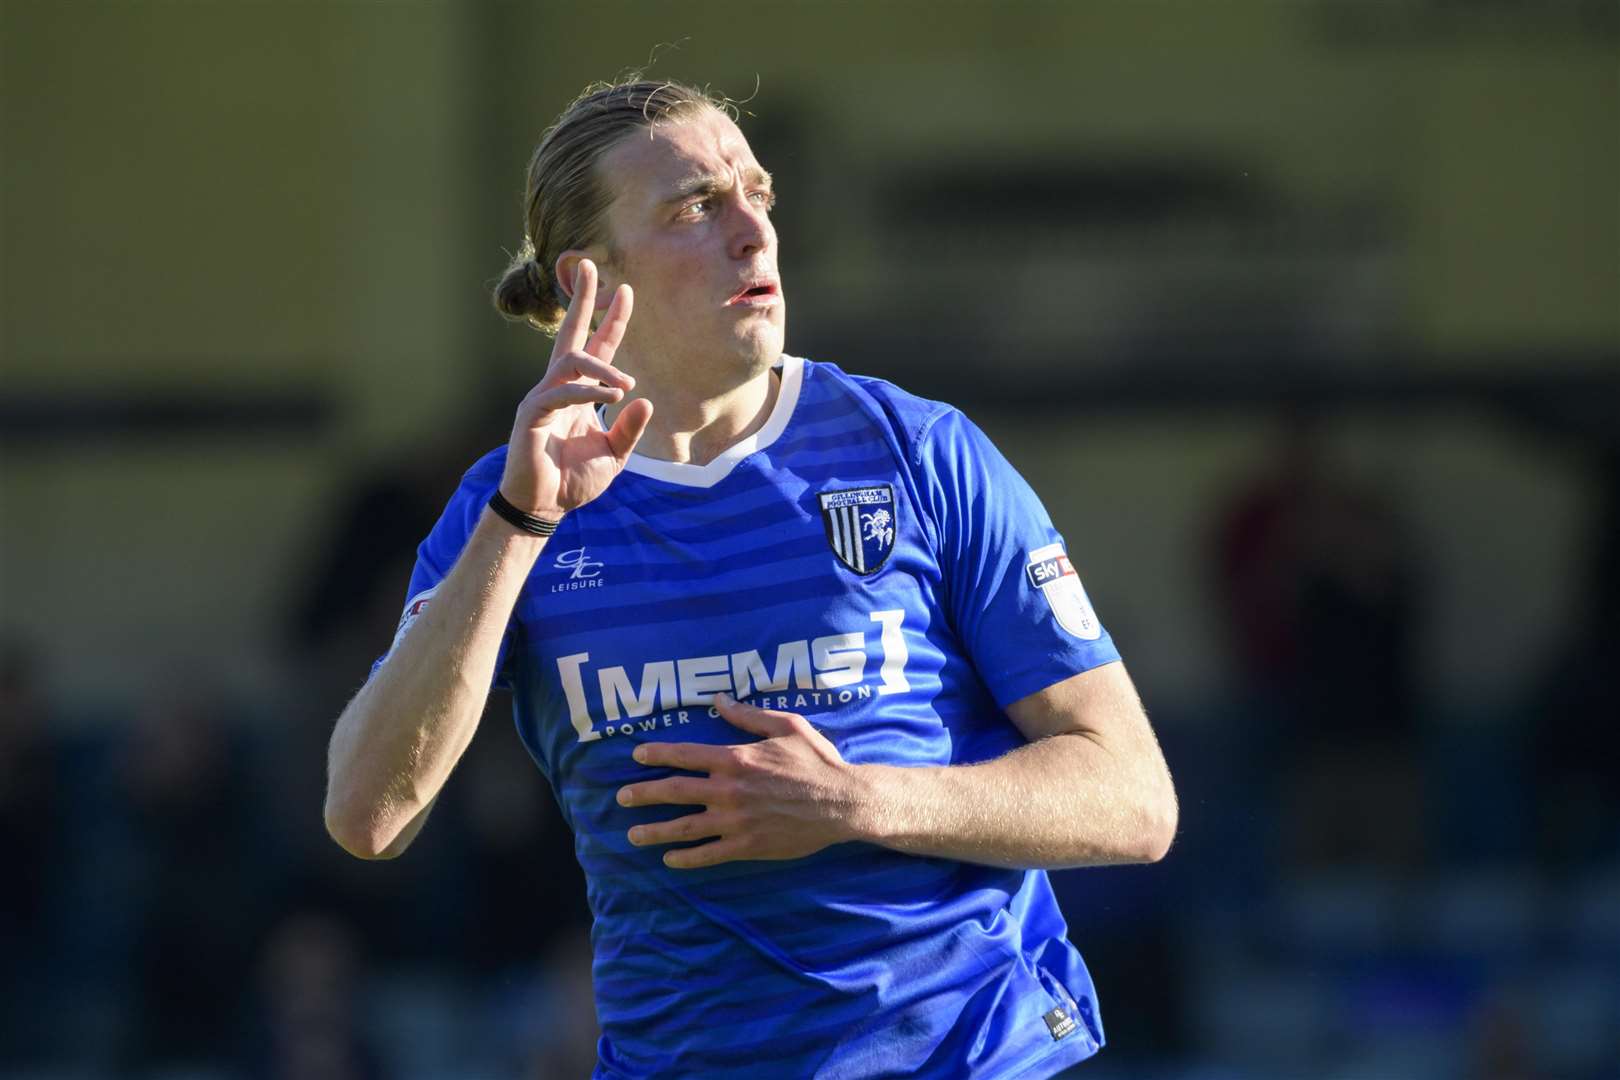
[241, 194]
[314, 196]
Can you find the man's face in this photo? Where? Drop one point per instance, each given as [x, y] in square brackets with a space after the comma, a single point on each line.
[692, 234]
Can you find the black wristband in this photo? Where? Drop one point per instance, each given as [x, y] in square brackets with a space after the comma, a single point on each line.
[510, 514]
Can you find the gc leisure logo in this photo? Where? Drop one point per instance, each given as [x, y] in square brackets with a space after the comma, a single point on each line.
[584, 572]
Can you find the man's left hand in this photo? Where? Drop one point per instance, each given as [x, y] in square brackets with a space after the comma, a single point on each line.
[785, 797]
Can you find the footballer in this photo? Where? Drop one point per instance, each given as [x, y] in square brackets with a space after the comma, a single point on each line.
[807, 665]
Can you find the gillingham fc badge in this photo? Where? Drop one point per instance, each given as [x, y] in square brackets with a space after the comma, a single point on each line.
[860, 525]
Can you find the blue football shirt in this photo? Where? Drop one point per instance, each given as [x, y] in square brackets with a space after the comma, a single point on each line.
[869, 560]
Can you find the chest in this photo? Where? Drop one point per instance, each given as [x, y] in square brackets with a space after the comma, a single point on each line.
[817, 577]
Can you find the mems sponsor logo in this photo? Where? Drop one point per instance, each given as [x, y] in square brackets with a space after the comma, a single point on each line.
[806, 673]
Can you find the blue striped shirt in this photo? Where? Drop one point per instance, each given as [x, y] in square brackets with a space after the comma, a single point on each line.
[869, 560]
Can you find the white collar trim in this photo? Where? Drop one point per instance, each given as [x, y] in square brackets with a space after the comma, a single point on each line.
[706, 476]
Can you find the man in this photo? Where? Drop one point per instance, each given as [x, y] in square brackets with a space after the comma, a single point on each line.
[802, 656]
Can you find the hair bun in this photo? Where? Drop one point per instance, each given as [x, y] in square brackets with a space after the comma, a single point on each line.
[526, 292]
[565, 200]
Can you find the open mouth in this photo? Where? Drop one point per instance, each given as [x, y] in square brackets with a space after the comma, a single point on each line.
[754, 294]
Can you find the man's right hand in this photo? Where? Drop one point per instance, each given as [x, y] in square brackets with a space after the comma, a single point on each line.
[559, 457]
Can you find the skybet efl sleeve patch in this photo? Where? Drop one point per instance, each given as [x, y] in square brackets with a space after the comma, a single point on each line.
[1050, 571]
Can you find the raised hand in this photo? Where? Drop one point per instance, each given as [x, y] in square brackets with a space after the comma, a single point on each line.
[559, 458]
[785, 797]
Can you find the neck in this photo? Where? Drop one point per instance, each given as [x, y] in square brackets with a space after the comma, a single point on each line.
[693, 424]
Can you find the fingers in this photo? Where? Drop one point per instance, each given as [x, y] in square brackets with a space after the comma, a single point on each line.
[698, 826]
[605, 342]
[628, 428]
[578, 365]
[677, 790]
[576, 324]
[537, 407]
[695, 757]
[766, 723]
[574, 393]
[710, 854]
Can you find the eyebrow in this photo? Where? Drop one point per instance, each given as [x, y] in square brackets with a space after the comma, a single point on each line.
[710, 183]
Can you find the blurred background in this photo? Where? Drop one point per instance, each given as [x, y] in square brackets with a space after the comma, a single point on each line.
[1303, 317]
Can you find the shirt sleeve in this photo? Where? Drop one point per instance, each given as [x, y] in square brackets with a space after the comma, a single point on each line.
[1014, 597]
[439, 552]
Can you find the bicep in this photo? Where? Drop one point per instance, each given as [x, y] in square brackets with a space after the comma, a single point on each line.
[1123, 763]
[1100, 703]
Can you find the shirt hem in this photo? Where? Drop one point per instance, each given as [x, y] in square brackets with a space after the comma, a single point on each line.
[1101, 654]
[1055, 1062]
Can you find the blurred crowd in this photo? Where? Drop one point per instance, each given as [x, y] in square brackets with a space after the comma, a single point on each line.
[231, 231]
[1362, 888]
[174, 906]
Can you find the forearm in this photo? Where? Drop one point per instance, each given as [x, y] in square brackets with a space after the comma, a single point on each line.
[398, 739]
[1065, 800]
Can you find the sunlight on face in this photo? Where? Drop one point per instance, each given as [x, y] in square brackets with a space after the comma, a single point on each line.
[692, 232]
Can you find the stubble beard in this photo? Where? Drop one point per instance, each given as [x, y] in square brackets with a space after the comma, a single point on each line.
[752, 349]
[763, 347]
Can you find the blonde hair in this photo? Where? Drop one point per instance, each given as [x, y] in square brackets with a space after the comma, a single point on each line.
[566, 199]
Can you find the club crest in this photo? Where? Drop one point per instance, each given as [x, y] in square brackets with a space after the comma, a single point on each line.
[861, 525]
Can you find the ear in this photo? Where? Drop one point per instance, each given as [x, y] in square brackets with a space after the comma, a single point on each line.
[568, 266]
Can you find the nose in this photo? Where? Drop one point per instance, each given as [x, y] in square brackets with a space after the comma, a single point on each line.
[752, 231]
